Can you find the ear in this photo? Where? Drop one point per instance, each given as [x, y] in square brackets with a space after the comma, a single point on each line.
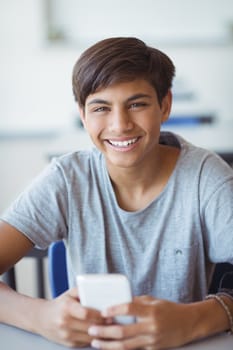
[82, 116]
[166, 106]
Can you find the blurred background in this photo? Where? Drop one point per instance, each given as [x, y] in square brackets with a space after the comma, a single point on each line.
[40, 40]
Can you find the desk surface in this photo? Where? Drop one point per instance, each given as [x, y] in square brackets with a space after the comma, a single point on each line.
[12, 338]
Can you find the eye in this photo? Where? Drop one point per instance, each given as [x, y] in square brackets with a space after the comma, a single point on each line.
[100, 109]
[137, 105]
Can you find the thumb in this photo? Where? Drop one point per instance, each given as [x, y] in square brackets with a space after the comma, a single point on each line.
[73, 293]
[144, 299]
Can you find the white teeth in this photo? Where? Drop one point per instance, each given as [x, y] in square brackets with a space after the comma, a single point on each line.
[123, 143]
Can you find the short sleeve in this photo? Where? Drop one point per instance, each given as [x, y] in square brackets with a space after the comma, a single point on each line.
[40, 212]
[217, 212]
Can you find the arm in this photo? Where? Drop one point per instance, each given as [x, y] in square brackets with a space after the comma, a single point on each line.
[62, 320]
[162, 324]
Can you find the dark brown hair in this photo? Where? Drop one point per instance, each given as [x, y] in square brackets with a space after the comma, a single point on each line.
[121, 59]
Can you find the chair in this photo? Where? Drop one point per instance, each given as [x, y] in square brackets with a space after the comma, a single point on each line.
[222, 278]
[57, 268]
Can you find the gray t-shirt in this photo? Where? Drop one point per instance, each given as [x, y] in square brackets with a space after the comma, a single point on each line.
[166, 249]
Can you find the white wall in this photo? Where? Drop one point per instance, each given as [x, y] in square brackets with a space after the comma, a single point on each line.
[35, 84]
[176, 21]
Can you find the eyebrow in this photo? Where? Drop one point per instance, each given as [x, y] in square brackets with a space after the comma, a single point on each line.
[98, 101]
[131, 98]
[137, 96]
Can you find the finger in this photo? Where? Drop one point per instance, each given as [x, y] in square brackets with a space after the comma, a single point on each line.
[76, 310]
[75, 338]
[105, 345]
[117, 331]
[129, 343]
[119, 310]
[132, 309]
[88, 314]
[144, 299]
[72, 292]
[84, 325]
[78, 325]
[71, 315]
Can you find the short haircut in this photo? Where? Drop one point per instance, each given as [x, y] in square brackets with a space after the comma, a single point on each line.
[117, 60]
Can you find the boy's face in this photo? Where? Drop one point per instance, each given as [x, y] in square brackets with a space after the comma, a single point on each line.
[123, 121]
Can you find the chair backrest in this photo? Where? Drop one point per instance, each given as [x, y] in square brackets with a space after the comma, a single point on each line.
[57, 268]
[222, 277]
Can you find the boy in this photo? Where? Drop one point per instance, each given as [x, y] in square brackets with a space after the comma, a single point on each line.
[144, 203]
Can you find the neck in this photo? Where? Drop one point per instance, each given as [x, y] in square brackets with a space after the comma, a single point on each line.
[136, 187]
[135, 178]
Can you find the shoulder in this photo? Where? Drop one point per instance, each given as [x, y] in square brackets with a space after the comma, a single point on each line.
[197, 156]
[208, 163]
[198, 165]
[67, 169]
[81, 160]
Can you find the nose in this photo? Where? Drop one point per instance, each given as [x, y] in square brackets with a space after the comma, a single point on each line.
[120, 121]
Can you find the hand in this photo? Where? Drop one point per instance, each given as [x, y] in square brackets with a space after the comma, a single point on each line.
[65, 321]
[160, 324]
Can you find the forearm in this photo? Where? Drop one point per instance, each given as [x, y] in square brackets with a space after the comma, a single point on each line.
[209, 317]
[20, 310]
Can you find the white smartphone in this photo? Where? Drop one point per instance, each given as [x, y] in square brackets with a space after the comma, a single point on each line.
[99, 291]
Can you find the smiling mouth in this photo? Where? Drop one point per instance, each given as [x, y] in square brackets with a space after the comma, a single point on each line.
[123, 144]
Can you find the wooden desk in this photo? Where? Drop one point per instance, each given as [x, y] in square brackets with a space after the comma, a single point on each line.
[12, 338]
